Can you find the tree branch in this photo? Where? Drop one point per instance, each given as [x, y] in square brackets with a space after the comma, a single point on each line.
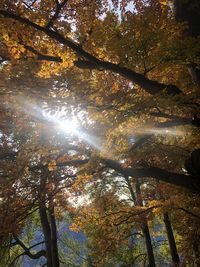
[29, 6]
[27, 250]
[59, 6]
[3, 59]
[176, 120]
[188, 212]
[186, 181]
[74, 162]
[41, 56]
[148, 85]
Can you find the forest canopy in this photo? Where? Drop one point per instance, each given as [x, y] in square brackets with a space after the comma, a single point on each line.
[99, 133]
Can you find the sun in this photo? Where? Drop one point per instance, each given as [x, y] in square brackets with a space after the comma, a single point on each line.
[68, 126]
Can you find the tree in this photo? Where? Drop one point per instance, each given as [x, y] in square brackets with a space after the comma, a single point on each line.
[150, 86]
[125, 77]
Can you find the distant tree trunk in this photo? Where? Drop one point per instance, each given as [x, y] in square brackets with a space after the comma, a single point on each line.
[145, 230]
[147, 237]
[137, 199]
[171, 240]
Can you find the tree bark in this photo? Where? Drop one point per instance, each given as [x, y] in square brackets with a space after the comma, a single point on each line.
[189, 12]
[47, 232]
[48, 222]
[196, 253]
[54, 246]
[137, 199]
[145, 229]
[150, 86]
[182, 180]
[171, 240]
[150, 254]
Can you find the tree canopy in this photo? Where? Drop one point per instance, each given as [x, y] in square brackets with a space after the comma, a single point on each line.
[99, 129]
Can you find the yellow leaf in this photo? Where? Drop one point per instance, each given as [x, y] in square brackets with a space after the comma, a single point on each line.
[52, 165]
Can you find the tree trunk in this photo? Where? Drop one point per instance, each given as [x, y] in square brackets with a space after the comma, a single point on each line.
[189, 12]
[137, 199]
[47, 232]
[54, 246]
[171, 240]
[196, 253]
[145, 229]
[150, 254]
[47, 218]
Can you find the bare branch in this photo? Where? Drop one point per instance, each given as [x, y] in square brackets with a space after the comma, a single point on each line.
[27, 250]
[29, 6]
[41, 56]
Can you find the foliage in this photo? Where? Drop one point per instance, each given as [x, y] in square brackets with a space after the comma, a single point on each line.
[120, 68]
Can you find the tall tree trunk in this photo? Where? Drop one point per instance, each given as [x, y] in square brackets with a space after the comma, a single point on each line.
[44, 217]
[171, 240]
[54, 246]
[145, 230]
[48, 222]
[147, 237]
[47, 232]
[196, 253]
[137, 199]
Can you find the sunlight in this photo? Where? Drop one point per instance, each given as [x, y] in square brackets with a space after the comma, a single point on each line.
[79, 201]
[67, 122]
[167, 131]
[92, 140]
[68, 126]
